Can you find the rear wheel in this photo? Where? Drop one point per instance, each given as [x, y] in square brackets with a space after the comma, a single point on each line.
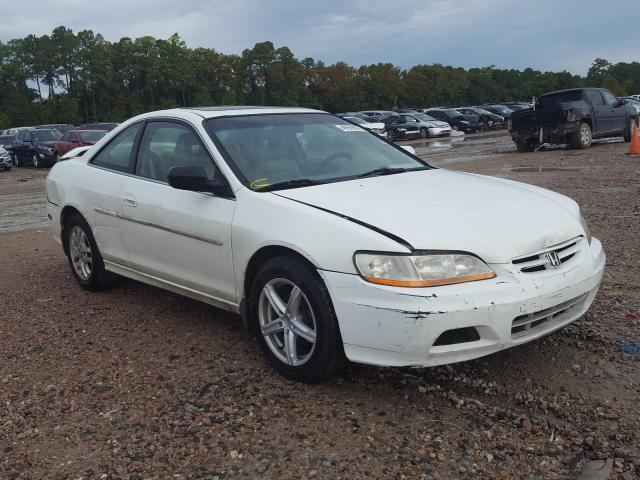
[295, 322]
[628, 132]
[524, 147]
[582, 137]
[84, 257]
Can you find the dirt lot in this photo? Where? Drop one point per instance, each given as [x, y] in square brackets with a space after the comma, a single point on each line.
[139, 383]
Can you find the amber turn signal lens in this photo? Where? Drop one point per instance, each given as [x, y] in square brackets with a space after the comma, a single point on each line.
[432, 283]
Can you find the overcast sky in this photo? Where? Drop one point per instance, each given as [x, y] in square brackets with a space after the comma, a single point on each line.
[544, 34]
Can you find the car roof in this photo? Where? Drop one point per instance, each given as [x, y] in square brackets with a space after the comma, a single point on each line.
[571, 90]
[220, 111]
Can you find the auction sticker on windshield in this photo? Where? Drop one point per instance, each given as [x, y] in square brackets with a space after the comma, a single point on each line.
[350, 128]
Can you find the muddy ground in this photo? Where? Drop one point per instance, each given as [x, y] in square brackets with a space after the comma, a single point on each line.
[138, 383]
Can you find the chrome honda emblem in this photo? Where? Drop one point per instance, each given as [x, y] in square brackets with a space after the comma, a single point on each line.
[552, 259]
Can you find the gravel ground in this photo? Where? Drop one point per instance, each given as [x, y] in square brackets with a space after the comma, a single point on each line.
[138, 383]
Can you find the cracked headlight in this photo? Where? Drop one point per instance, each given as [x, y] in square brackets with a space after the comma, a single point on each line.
[587, 232]
[421, 270]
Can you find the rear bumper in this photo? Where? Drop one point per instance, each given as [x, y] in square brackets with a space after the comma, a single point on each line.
[550, 134]
[55, 226]
[394, 326]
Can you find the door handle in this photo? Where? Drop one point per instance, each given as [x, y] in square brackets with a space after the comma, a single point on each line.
[130, 200]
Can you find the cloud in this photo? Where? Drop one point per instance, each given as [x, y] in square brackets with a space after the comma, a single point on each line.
[546, 35]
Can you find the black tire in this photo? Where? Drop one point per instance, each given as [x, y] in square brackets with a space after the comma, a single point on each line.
[391, 135]
[327, 356]
[629, 129]
[99, 277]
[582, 138]
[37, 163]
[16, 159]
[524, 147]
[424, 133]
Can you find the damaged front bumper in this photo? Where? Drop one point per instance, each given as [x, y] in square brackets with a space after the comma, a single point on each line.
[420, 327]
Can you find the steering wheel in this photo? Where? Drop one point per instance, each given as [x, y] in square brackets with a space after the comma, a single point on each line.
[344, 156]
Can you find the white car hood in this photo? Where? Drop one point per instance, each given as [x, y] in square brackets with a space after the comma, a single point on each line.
[374, 125]
[437, 209]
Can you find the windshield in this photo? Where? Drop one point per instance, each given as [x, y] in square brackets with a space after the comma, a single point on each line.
[425, 118]
[267, 149]
[44, 135]
[357, 120]
[452, 113]
[92, 136]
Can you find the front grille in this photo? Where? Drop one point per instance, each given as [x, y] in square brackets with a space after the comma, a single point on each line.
[530, 323]
[550, 258]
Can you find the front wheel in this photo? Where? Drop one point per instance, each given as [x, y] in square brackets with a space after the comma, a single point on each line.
[582, 138]
[295, 322]
[424, 133]
[391, 135]
[36, 161]
[628, 132]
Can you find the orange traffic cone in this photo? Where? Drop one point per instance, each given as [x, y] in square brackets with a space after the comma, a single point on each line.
[634, 146]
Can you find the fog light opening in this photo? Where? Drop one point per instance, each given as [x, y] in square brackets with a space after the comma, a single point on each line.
[456, 336]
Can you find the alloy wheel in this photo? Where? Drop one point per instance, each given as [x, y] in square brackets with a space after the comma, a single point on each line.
[585, 137]
[287, 322]
[80, 253]
[35, 160]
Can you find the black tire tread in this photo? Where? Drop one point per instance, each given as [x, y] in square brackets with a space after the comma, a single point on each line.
[100, 278]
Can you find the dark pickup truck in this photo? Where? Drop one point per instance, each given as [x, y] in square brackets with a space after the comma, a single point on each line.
[574, 117]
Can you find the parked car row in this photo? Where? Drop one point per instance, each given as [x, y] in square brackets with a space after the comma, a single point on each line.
[407, 123]
[44, 145]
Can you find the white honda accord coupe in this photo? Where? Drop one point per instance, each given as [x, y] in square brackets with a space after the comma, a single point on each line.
[330, 242]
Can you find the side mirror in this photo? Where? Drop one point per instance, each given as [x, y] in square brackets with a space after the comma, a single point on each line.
[409, 149]
[194, 179]
[622, 101]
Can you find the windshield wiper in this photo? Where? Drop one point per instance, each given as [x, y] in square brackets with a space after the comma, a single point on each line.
[298, 182]
[383, 171]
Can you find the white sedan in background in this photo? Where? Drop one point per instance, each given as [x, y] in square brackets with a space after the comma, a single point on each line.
[329, 241]
[375, 127]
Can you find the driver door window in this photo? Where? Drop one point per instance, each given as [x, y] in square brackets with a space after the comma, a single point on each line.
[167, 144]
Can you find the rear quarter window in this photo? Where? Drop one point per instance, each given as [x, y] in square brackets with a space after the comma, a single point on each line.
[117, 154]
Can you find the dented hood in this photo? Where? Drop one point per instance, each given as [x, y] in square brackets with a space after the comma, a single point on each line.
[496, 219]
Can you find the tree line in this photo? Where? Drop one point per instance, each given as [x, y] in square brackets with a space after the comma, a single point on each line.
[68, 77]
